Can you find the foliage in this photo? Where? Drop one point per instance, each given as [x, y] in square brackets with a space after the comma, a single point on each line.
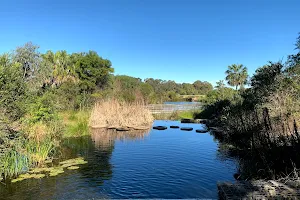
[76, 123]
[29, 58]
[262, 118]
[92, 70]
[12, 90]
[237, 75]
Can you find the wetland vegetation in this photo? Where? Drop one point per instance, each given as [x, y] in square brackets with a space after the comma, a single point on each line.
[46, 97]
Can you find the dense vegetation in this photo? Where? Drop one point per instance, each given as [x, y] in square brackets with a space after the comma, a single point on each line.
[260, 121]
[41, 95]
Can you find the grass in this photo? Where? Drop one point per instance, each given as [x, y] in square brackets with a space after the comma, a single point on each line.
[76, 123]
[114, 113]
[13, 163]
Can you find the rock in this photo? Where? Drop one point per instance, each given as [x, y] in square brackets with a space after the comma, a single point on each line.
[140, 128]
[237, 176]
[201, 131]
[187, 121]
[174, 126]
[203, 121]
[186, 129]
[122, 129]
[160, 127]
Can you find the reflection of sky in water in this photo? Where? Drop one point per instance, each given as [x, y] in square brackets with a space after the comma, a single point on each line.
[155, 164]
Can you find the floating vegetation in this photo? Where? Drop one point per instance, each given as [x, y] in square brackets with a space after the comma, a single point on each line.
[73, 167]
[56, 171]
[48, 161]
[28, 176]
[38, 173]
[74, 161]
[39, 170]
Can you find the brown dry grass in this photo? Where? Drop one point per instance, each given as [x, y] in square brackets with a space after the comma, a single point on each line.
[113, 113]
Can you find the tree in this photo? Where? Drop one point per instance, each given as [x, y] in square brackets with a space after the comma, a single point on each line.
[92, 70]
[12, 90]
[202, 87]
[220, 85]
[237, 75]
[29, 58]
[62, 69]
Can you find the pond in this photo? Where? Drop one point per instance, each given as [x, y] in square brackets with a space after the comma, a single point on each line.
[157, 164]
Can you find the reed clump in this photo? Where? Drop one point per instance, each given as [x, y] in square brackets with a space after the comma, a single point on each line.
[115, 114]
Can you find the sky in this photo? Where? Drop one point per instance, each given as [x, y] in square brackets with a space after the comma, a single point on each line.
[181, 40]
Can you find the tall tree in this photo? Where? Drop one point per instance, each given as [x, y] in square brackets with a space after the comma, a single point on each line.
[29, 58]
[92, 70]
[237, 75]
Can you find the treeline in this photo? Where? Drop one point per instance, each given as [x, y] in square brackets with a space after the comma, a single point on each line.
[156, 90]
[261, 120]
[74, 81]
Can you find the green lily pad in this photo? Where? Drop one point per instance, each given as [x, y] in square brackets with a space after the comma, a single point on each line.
[17, 180]
[73, 167]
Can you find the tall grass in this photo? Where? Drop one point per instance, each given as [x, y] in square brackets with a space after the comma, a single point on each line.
[30, 146]
[13, 162]
[39, 152]
[76, 123]
[114, 113]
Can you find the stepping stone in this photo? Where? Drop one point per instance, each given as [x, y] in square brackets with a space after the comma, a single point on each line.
[122, 129]
[187, 121]
[160, 127]
[174, 126]
[201, 131]
[186, 129]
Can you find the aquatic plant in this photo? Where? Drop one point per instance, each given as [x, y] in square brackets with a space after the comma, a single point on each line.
[73, 167]
[13, 163]
[39, 152]
[41, 172]
[74, 161]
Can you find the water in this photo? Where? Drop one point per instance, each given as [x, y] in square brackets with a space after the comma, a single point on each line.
[182, 103]
[157, 164]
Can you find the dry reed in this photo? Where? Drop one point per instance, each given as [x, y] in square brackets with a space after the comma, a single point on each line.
[116, 114]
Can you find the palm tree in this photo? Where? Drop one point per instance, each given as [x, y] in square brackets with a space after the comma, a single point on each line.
[62, 67]
[237, 75]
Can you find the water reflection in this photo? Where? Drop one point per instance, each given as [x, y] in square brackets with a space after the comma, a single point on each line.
[134, 164]
[105, 138]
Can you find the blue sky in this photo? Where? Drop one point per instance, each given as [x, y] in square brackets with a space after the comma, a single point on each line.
[181, 40]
